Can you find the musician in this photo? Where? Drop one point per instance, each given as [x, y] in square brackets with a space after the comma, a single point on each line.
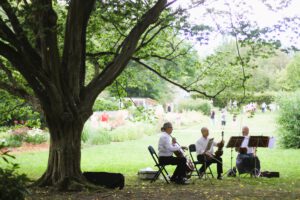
[246, 160]
[208, 157]
[166, 148]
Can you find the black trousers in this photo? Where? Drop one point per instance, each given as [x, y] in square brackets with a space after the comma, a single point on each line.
[208, 161]
[180, 171]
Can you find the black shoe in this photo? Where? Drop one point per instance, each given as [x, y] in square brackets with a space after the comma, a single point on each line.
[220, 177]
[174, 179]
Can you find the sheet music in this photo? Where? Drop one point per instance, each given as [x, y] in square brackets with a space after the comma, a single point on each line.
[271, 142]
[209, 144]
[245, 142]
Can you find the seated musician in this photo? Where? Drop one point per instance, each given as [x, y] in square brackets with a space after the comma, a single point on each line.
[165, 154]
[208, 157]
[247, 161]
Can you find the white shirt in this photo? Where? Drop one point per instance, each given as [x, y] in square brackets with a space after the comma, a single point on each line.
[201, 146]
[165, 147]
[245, 145]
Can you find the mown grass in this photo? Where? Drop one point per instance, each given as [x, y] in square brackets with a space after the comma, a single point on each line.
[130, 156]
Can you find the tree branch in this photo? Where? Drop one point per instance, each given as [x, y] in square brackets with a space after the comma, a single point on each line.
[74, 53]
[113, 69]
[177, 84]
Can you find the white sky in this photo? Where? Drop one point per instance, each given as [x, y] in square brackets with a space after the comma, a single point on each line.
[261, 14]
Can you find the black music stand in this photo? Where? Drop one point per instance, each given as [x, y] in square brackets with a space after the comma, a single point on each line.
[234, 142]
[258, 141]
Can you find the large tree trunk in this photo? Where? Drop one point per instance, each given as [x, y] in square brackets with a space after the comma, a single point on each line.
[63, 169]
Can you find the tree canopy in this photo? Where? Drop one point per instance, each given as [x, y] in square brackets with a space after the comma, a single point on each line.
[60, 55]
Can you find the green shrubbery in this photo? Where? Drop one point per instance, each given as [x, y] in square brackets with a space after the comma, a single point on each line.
[222, 100]
[12, 184]
[195, 105]
[14, 138]
[105, 104]
[17, 110]
[103, 135]
[289, 120]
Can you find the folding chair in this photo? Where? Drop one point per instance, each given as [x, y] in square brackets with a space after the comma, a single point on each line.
[192, 149]
[161, 168]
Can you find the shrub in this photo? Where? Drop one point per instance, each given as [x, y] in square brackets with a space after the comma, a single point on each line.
[100, 137]
[95, 135]
[12, 184]
[289, 120]
[141, 114]
[195, 105]
[132, 131]
[35, 136]
[105, 104]
[15, 140]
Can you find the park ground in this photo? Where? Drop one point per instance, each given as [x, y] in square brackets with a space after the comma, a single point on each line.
[131, 156]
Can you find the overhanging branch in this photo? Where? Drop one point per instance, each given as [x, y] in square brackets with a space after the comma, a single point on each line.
[137, 60]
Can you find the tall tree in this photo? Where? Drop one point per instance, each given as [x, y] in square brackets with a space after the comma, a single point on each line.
[57, 76]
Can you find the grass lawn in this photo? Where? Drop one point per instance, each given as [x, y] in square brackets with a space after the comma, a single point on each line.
[128, 157]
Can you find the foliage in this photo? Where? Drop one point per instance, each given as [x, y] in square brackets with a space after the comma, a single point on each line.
[15, 138]
[36, 136]
[12, 184]
[105, 105]
[14, 109]
[130, 131]
[141, 114]
[201, 105]
[223, 100]
[293, 73]
[289, 119]
[95, 135]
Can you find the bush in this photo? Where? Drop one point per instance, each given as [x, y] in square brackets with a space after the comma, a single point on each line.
[16, 137]
[35, 136]
[289, 120]
[12, 184]
[132, 131]
[195, 105]
[15, 140]
[105, 104]
[95, 135]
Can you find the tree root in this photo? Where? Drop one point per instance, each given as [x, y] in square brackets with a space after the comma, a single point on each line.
[67, 184]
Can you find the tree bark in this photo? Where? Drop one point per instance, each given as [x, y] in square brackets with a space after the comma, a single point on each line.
[63, 169]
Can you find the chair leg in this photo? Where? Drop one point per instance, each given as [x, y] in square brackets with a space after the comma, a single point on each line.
[162, 171]
[156, 175]
[212, 175]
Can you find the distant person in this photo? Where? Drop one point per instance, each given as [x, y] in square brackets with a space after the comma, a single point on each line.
[263, 107]
[212, 117]
[223, 118]
[247, 161]
[165, 154]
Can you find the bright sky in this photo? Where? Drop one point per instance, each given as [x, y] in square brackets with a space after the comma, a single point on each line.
[261, 14]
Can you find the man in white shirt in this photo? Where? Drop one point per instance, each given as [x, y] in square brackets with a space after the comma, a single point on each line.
[246, 160]
[207, 155]
[165, 154]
